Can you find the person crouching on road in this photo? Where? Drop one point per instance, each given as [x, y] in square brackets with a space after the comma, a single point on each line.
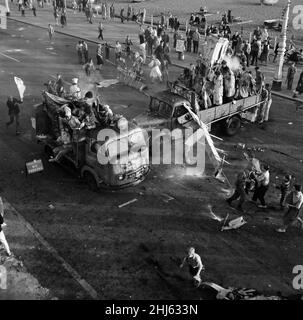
[195, 264]
[262, 186]
[13, 112]
[294, 202]
[239, 192]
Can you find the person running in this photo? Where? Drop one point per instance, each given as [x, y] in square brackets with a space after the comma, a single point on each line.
[294, 202]
[239, 192]
[13, 112]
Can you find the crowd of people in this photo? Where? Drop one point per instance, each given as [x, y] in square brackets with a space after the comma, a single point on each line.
[256, 178]
[78, 112]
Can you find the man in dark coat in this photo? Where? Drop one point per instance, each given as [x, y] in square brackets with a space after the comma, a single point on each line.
[299, 88]
[13, 112]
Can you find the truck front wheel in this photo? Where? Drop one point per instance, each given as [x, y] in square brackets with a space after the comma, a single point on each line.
[232, 126]
[91, 181]
[48, 152]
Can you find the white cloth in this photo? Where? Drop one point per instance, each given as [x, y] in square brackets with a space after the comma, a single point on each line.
[267, 108]
[218, 90]
[298, 200]
[4, 242]
[1, 207]
[264, 178]
[75, 91]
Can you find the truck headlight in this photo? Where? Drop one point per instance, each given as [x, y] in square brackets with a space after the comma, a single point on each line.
[120, 177]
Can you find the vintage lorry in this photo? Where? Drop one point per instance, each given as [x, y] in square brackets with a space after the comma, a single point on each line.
[166, 110]
[125, 167]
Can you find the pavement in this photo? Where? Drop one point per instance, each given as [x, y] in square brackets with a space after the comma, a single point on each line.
[80, 28]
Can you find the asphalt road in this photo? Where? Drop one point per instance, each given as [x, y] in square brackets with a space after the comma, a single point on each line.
[134, 252]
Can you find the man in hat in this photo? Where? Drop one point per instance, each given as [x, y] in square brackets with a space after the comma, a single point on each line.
[195, 264]
[294, 202]
[74, 89]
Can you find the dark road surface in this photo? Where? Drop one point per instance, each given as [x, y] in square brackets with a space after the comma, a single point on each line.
[134, 252]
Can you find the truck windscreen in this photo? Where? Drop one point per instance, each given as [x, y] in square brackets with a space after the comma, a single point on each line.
[133, 143]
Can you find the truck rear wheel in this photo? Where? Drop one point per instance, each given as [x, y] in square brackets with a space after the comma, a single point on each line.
[91, 181]
[232, 126]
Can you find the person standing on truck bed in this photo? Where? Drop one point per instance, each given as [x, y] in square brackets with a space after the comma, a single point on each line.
[74, 89]
[65, 146]
[13, 112]
[228, 83]
[218, 89]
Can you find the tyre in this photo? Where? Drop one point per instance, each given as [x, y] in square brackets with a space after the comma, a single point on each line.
[48, 152]
[91, 181]
[232, 126]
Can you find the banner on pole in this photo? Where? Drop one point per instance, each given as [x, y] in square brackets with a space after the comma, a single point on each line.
[21, 87]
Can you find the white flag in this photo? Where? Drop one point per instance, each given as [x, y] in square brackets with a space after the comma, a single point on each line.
[21, 87]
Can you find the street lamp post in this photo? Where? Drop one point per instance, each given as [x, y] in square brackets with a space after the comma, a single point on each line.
[277, 82]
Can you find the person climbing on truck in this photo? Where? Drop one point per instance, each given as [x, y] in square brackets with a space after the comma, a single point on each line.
[64, 146]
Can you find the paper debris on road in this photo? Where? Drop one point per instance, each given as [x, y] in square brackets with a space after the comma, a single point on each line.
[127, 203]
[234, 224]
[168, 198]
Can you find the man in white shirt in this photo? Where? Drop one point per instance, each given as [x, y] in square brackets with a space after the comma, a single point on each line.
[194, 263]
[294, 202]
[262, 186]
[74, 90]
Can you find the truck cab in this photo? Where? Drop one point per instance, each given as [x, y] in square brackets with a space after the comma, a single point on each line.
[116, 161]
[164, 110]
